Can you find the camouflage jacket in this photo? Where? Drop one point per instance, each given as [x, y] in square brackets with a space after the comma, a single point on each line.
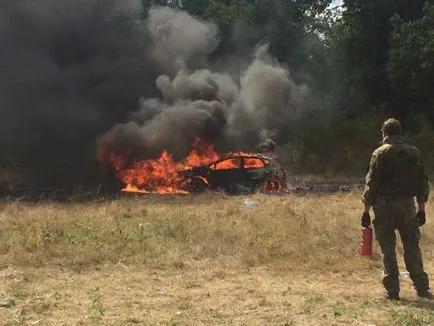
[395, 170]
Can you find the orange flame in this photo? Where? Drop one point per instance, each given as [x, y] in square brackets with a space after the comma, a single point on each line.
[161, 175]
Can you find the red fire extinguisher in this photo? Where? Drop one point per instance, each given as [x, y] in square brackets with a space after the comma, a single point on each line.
[366, 242]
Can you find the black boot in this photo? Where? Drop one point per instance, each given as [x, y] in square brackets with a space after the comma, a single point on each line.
[391, 296]
[421, 285]
[427, 294]
[391, 284]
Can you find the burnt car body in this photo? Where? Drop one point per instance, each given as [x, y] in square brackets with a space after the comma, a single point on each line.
[238, 173]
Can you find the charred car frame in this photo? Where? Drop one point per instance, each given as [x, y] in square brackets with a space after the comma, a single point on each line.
[238, 173]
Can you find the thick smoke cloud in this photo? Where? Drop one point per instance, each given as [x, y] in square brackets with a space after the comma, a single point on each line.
[233, 112]
[76, 75]
[69, 70]
[179, 40]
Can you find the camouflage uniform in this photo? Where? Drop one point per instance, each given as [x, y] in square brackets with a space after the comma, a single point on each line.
[396, 175]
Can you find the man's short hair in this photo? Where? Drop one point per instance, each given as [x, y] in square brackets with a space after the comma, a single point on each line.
[391, 127]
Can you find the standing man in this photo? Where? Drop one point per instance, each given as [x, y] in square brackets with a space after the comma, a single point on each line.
[395, 176]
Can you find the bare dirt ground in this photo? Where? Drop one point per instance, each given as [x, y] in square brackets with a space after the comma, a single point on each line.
[284, 261]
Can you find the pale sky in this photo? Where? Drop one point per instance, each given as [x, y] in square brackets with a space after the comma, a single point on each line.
[337, 2]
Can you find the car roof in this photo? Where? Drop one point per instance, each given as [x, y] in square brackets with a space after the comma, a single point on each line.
[243, 155]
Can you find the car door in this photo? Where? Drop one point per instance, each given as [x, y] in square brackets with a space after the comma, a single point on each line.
[255, 169]
[226, 172]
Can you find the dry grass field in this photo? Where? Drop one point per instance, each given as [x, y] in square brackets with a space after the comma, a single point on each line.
[198, 260]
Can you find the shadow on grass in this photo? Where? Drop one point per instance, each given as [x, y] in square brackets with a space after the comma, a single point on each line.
[417, 303]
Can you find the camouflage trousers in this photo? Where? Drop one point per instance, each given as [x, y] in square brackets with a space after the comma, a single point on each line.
[400, 213]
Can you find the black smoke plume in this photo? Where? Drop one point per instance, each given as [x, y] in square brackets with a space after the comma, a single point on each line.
[230, 111]
[69, 69]
[81, 74]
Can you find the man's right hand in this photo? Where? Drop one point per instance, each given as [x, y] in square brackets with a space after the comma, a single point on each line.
[366, 219]
[421, 217]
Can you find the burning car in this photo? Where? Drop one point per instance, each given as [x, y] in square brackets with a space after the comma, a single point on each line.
[238, 173]
[202, 169]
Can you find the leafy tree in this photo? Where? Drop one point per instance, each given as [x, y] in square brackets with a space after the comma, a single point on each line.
[151, 3]
[287, 23]
[367, 28]
[411, 58]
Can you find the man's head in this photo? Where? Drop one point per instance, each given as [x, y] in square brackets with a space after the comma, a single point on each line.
[391, 127]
